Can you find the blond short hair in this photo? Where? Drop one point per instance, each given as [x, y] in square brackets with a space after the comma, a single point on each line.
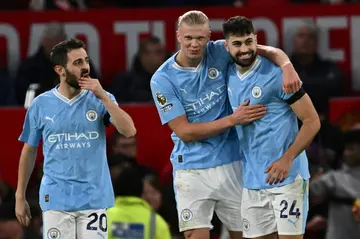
[193, 18]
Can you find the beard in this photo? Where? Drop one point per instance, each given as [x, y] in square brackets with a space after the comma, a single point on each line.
[72, 79]
[244, 62]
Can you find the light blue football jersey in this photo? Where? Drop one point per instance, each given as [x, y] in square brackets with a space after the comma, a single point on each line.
[76, 173]
[200, 93]
[265, 140]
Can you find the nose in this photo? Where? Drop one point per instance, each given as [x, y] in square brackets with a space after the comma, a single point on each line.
[194, 43]
[243, 48]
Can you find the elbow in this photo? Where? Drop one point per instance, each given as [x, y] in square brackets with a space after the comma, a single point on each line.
[185, 136]
[316, 124]
[313, 123]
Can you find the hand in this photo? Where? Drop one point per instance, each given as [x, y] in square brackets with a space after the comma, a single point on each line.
[94, 85]
[278, 171]
[246, 113]
[356, 210]
[317, 223]
[22, 211]
[291, 80]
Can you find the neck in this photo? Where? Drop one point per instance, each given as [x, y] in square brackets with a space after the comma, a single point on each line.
[68, 91]
[243, 69]
[183, 61]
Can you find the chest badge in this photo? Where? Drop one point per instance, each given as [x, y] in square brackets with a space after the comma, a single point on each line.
[91, 115]
[256, 92]
[213, 73]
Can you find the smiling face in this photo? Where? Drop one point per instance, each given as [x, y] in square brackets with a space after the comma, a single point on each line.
[241, 40]
[242, 49]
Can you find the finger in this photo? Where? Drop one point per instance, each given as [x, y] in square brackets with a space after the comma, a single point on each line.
[273, 178]
[22, 220]
[268, 169]
[278, 178]
[298, 85]
[245, 103]
[268, 178]
[256, 111]
[284, 88]
[28, 213]
[257, 106]
[18, 217]
[284, 176]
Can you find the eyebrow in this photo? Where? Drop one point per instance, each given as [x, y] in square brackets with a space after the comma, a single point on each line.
[237, 41]
[80, 59]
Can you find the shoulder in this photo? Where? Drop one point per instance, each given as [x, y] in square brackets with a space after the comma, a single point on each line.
[109, 94]
[167, 67]
[216, 47]
[271, 72]
[269, 67]
[42, 99]
[161, 79]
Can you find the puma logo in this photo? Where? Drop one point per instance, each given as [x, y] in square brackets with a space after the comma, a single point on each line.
[51, 119]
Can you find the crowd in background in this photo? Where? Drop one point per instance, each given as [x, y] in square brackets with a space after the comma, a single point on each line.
[333, 154]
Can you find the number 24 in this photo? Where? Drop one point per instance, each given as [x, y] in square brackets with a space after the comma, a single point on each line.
[292, 211]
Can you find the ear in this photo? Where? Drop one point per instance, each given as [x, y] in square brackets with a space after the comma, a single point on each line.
[255, 38]
[178, 36]
[209, 35]
[59, 70]
[226, 45]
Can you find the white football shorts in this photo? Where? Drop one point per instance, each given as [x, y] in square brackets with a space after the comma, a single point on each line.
[200, 192]
[280, 209]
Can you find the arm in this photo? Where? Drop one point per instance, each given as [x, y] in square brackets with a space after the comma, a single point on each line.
[291, 80]
[276, 55]
[119, 118]
[172, 112]
[322, 187]
[305, 111]
[303, 108]
[189, 132]
[26, 167]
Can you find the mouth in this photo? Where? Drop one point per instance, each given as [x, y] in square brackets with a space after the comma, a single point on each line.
[85, 75]
[194, 52]
[246, 56]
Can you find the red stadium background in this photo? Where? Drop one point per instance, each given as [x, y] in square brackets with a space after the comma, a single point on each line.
[113, 41]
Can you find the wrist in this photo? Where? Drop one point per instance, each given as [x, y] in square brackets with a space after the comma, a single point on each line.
[229, 121]
[104, 98]
[19, 196]
[286, 64]
[288, 156]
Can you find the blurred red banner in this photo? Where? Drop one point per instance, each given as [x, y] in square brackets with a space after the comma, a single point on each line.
[112, 36]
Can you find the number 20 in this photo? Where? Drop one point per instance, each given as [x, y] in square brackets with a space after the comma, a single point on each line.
[101, 222]
[285, 204]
